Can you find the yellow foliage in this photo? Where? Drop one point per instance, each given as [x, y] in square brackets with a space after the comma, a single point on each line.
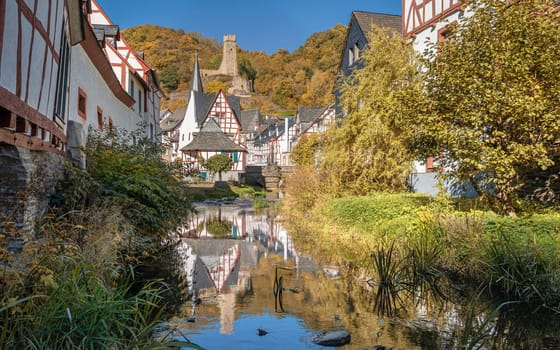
[285, 80]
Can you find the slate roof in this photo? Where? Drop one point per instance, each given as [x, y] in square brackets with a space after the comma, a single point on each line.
[108, 29]
[196, 83]
[307, 115]
[203, 102]
[317, 116]
[250, 120]
[173, 120]
[99, 34]
[235, 104]
[366, 19]
[212, 139]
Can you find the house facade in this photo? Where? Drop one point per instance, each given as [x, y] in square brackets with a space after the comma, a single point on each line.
[134, 75]
[210, 126]
[425, 23]
[357, 40]
[56, 80]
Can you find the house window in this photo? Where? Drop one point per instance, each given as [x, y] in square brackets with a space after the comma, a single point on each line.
[99, 118]
[62, 79]
[82, 103]
[131, 89]
[145, 101]
[139, 101]
[351, 56]
[357, 52]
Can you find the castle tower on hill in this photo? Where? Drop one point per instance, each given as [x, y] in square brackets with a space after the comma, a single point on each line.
[229, 60]
[228, 69]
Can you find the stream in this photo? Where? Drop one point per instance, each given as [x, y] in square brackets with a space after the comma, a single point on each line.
[250, 288]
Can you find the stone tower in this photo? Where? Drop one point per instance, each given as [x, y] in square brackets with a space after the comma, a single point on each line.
[228, 68]
[229, 62]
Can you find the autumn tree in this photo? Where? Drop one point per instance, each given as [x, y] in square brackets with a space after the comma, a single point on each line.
[367, 151]
[214, 86]
[492, 96]
[304, 151]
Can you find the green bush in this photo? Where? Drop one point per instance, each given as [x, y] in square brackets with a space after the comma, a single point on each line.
[131, 175]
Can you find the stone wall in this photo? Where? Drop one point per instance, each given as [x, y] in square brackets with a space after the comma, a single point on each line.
[26, 180]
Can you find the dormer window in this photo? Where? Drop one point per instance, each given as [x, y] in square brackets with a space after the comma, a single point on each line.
[351, 57]
[357, 52]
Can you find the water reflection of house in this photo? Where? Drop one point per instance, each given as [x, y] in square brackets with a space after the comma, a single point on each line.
[245, 223]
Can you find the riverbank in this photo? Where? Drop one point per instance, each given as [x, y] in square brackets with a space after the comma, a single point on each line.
[513, 258]
[82, 279]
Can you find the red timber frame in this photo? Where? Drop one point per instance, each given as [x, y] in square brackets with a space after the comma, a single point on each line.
[225, 117]
[20, 124]
[229, 123]
[227, 120]
[417, 12]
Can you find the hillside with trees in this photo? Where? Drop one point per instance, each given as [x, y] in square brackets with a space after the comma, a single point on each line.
[283, 80]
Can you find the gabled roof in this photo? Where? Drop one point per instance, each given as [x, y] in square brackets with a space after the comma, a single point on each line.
[212, 139]
[235, 104]
[97, 56]
[306, 115]
[250, 120]
[319, 115]
[173, 120]
[203, 103]
[366, 19]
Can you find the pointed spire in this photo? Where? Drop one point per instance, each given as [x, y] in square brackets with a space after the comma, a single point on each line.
[196, 83]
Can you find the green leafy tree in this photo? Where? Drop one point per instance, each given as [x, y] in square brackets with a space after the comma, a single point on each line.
[218, 164]
[491, 97]
[367, 152]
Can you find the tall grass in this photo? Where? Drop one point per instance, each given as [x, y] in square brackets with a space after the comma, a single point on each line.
[516, 258]
[75, 285]
[83, 312]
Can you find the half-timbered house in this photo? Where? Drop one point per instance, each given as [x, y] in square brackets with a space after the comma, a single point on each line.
[424, 23]
[170, 126]
[319, 123]
[135, 76]
[56, 80]
[36, 40]
[197, 128]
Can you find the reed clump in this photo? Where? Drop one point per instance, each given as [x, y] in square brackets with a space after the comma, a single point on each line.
[515, 258]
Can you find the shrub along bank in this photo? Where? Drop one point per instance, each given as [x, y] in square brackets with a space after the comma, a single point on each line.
[72, 286]
[517, 258]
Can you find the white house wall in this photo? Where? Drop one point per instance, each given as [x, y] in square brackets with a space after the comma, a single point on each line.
[29, 54]
[431, 34]
[189, 124]
[84, 75]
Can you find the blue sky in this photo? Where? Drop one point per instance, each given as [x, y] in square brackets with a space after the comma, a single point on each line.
[260, 25]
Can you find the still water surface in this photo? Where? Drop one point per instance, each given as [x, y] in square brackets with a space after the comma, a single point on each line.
[252, 289]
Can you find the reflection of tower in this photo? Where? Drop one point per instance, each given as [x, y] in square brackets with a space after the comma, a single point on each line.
[226, 301]
[227, 312]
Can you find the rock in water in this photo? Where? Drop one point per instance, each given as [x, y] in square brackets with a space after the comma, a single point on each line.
[335, 338]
